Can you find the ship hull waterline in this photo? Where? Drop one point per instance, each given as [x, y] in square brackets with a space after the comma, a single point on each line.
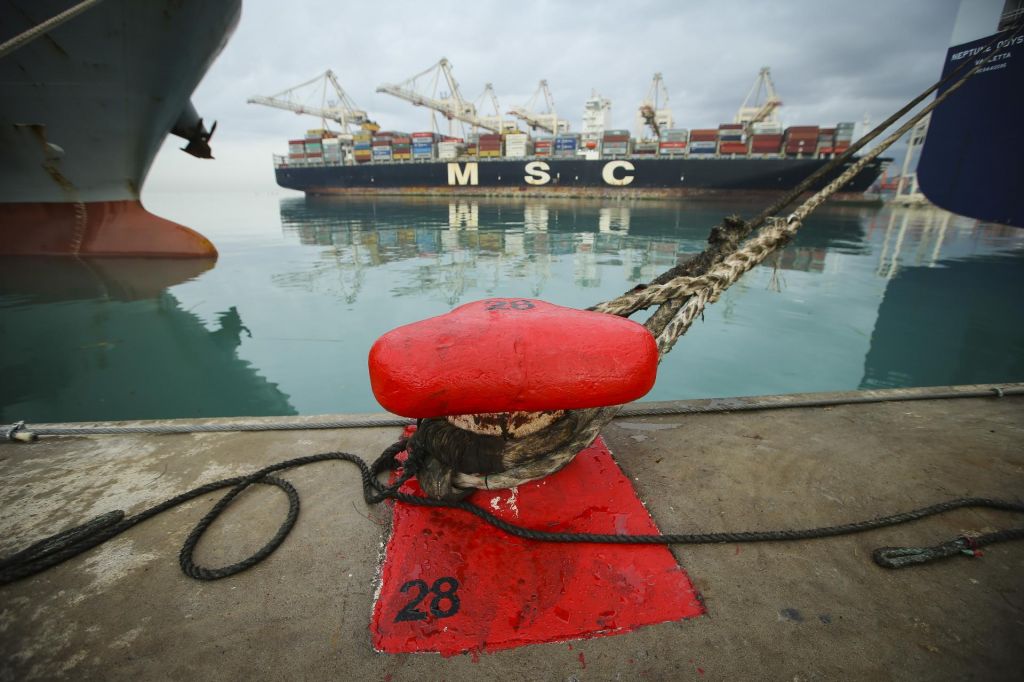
[84, 110]
[607, 178]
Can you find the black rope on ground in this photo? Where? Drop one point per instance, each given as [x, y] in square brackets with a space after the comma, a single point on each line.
[71, 542]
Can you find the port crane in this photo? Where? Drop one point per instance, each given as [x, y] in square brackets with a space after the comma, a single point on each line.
[547, 119]
[654, 112]
[755, 109]
[495, 119]
[332, 103]
[451, 104]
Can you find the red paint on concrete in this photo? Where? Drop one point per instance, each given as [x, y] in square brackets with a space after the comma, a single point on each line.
[506, 355]
[513, 592]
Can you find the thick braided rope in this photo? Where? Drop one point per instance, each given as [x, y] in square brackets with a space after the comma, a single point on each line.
[720, 277]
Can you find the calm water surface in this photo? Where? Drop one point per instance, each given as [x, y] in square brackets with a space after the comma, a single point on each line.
[866, 297]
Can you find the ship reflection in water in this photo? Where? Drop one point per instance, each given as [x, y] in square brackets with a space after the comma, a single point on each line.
[104, 339]
[864, 297]
[462, 245]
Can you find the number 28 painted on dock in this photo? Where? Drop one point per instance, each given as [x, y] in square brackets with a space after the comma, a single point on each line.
[615, 173]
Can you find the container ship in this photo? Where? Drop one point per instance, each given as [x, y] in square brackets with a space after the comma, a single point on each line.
[755, 153]
[86, 99]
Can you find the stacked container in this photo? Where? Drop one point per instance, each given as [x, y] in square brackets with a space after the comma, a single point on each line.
[381, 146]
[615, 143]
[517, 145]
[730, 132]
[450, 149]
[296, 151]
[703, 141]
[673, 142]
[844, 137]
[730, 139]
[401, 147]
[765, 143]
[423, 145]
[566, 144]
[826, 140]
[645, 148]
[314, 149]
[801, 140]
[766, 128]
[489, 146]
[543, 146]
[362, 145]
[332, 150]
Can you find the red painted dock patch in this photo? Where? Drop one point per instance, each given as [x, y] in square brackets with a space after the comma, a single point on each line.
[452, 584]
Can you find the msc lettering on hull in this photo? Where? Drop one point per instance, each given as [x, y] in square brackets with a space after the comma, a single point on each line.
[616, 173]
[463, 175]
[609, 176]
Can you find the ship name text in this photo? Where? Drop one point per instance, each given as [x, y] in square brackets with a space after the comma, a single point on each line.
[615, 173]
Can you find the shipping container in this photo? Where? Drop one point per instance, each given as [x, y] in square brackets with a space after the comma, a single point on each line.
[732, 148]
[766, 128]
[704, 135]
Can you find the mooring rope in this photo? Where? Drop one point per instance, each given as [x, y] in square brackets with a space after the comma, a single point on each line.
[26, 37]
[71, 542]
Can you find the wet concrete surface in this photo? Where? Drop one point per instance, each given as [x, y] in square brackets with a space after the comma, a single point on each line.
[811, 610]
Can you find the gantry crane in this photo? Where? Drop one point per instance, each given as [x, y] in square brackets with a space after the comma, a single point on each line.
[495, 120]
[340, 109]
[654, 112]
[547, 119]
[755, 109]
[451, 104]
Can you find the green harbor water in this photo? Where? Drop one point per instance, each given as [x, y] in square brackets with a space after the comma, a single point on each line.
[866, 297]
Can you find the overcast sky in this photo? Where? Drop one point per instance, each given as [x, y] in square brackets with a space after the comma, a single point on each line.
[831, 61]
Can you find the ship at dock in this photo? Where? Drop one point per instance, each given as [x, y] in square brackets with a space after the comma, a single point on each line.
[752, 154]
[88, 96]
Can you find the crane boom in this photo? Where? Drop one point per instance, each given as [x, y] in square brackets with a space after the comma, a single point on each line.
[336, 106]
[546, 120]
[495, 118]
[452, 106]
[654, 111]
[754, 109]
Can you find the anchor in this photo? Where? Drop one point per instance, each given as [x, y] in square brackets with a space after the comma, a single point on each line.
[505, 389]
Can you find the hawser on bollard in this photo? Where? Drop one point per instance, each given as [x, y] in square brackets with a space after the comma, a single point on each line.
[505, 388]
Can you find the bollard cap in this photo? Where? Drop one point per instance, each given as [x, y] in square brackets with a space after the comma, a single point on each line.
[511, 354]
